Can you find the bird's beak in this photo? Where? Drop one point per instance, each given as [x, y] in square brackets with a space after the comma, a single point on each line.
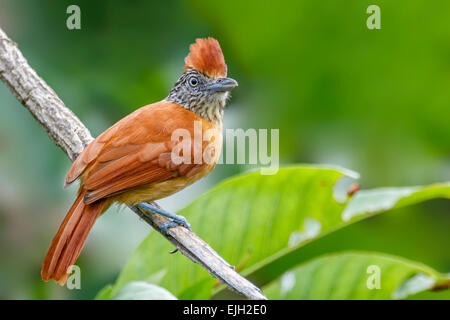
[223, 84]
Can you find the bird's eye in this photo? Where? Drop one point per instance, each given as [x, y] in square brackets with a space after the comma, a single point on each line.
[193, 81]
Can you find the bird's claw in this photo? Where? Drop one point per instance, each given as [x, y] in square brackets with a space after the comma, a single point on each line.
[178, 221]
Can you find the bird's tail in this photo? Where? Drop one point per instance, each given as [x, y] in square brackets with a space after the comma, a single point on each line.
[69, 240]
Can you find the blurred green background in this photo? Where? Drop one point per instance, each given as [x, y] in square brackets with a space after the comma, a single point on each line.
[375, 101]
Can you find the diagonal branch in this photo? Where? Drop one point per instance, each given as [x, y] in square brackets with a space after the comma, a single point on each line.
[70, 134]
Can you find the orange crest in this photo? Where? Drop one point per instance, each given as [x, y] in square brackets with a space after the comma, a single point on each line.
[206, 56]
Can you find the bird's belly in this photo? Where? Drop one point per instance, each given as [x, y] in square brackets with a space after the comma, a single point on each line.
[158, 190]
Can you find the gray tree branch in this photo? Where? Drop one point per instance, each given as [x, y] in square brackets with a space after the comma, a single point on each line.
[69, 133]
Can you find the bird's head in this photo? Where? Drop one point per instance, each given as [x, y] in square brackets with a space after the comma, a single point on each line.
[204, 87]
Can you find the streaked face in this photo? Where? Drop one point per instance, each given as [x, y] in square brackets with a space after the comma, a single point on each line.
[198, 92]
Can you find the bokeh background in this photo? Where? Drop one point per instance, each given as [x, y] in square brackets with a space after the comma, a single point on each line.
[375, 101]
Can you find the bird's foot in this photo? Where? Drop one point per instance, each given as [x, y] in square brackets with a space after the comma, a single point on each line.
[176, 219]
[179, 221]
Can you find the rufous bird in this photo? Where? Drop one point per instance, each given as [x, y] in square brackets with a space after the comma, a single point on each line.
[133, 161]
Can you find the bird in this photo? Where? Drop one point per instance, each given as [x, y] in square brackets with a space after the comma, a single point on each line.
[150, 154]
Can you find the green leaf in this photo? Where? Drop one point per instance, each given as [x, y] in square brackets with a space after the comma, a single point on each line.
[382, 199]
[355, 275]
[140, 290]
[363, 205]
[105, 293]
[252, 220]
[198, 291]
[236, 218]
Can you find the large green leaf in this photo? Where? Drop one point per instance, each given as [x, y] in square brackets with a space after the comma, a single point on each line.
[363, 205]
[253, 219]
[237, 218]
[355, 275]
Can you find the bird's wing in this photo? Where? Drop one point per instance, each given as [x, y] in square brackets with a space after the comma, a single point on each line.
[136, 151]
